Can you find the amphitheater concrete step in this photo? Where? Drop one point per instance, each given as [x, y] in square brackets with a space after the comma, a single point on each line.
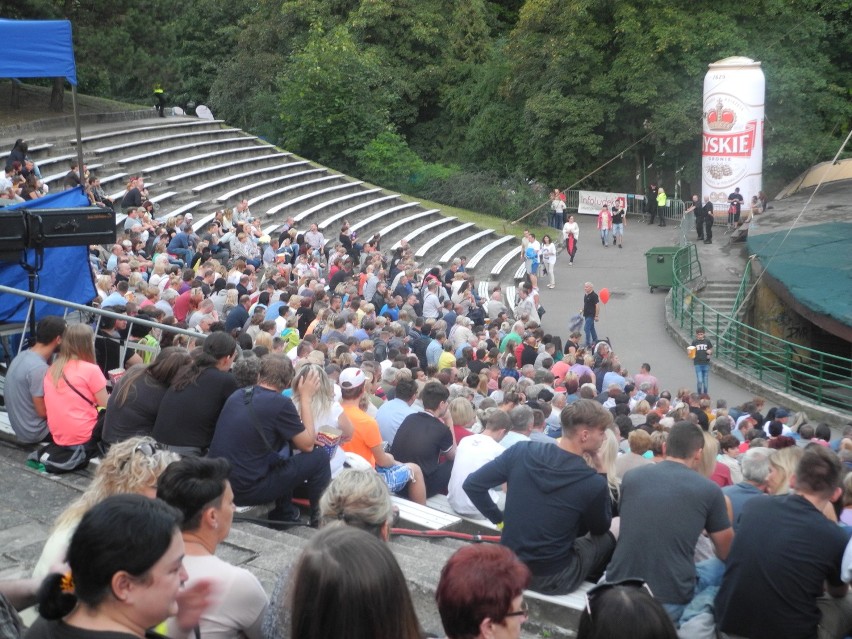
[208, 165]
[262, 550]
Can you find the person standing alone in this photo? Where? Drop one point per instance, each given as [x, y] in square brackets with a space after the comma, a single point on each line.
[571, 233]
[735, 203]
[703, 350]
[652, 203]
[619, 221]
[662, 203]
[591, 308]
[605, 224]
[557, 209]
[708, 220]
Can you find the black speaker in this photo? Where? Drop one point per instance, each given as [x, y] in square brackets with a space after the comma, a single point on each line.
[13, 234]
[70, 227]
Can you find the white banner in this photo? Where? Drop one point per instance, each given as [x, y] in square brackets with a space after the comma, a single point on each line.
[591, 202]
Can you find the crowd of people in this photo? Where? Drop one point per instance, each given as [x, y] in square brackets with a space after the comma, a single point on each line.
[341, 373]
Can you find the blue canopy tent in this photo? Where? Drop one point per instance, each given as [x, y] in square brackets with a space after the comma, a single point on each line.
[40, 49]
[37, 49]
[66, 273]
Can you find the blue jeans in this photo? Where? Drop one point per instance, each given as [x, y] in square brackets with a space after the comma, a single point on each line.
[185, 254]
[675, 611]
[702, 374]
[604, 236]
[556, 220]
[589, 328]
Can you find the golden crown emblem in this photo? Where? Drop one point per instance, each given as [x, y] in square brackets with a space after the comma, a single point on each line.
[721, 119]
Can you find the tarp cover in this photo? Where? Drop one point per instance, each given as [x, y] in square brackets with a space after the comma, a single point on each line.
[37, 49]
[813, 264]
[66, 274]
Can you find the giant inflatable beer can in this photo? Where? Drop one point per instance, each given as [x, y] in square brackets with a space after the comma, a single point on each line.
[732, 155]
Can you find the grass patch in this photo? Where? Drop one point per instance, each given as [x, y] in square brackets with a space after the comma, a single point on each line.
[485, 221]
[34, 104]
[482, 220]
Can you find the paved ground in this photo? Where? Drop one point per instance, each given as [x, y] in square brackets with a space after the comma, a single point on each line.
[634, 318]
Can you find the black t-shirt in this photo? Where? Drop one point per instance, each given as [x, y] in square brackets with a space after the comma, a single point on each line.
[238, 439]
[338, 278]
[528, 355]
[108, 353]
[136, 416]
[783, 552]
[707, 209]
[703, 421]
[477, 365]
[702, 346]
[188, 417]
[421, 438]
[736, 199]
[306, 315]
[133, 198]
[590, 302]
[618, 217]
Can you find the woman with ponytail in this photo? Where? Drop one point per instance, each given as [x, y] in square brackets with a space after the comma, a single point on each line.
[125, 577]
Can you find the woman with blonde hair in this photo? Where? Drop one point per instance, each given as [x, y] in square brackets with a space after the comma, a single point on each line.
[263, 339]
[679, 412]
[161, 263]
[638, 416]
[782, 466]
[104, 286]
[231, 300]
[327, 413]
[358, 498]
[74, 388]
[132, 466]
[710, 466]
[464, 417]
[606, 465]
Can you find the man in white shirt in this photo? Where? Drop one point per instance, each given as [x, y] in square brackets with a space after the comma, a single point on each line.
[315, 239]
[431, 301]
[472, 453]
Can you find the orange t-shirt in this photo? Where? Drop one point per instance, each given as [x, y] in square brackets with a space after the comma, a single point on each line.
[366, 435]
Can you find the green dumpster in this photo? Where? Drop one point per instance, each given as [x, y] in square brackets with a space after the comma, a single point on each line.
[660, 269]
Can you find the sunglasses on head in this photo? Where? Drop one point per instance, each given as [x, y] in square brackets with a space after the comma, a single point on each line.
[598, 590]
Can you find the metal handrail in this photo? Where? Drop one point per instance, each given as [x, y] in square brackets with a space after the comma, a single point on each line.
[814, 376]
[99, 312]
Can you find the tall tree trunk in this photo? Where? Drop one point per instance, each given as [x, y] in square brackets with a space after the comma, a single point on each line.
[57, 95]
[15, 95]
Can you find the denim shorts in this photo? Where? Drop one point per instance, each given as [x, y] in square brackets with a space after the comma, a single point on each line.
[396, 477]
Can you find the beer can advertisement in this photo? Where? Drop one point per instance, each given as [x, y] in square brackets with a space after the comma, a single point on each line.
[732, 145]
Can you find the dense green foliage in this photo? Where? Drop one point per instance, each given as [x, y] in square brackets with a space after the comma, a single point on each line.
[479, 99]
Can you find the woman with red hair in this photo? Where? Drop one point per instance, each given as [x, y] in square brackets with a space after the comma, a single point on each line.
[480, 593]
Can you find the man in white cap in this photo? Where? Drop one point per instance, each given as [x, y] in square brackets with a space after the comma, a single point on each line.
[367, 440]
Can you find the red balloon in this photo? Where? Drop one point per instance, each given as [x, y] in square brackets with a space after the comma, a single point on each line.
[603, 294]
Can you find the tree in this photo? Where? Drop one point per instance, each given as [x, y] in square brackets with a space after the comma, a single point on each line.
[334, 98]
